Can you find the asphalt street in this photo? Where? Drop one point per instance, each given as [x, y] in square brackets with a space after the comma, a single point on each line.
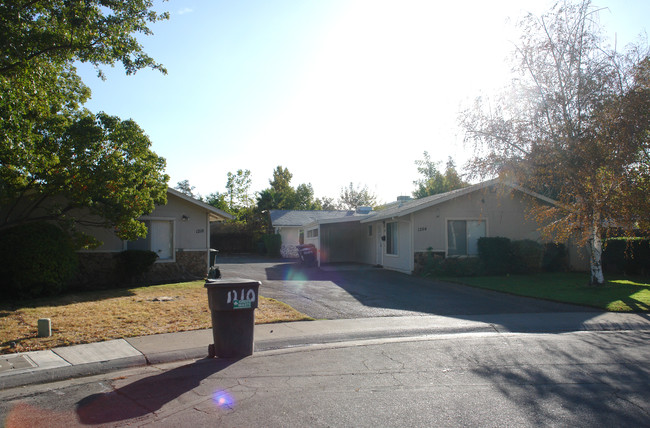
[371, 292]
[587, 379]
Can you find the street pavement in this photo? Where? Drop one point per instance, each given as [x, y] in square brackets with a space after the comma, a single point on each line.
[395, 351]
[481, 379]
[103, 357]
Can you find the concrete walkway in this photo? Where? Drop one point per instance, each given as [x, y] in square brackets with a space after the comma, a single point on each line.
[103, 357]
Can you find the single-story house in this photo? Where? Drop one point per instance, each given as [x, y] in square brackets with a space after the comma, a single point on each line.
[177, 231]
[290, 224]
[448, 224]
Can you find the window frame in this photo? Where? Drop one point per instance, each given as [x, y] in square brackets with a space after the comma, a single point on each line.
[467, 238]
[392, 238]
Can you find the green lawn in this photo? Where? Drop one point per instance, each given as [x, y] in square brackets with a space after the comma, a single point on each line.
[619, 294]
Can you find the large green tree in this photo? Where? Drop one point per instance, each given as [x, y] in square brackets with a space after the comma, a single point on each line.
[281, 195]
[433, 181]
[57, 158]
[574, 125]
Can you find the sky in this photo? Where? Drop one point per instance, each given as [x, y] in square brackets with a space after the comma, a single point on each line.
[336, 91]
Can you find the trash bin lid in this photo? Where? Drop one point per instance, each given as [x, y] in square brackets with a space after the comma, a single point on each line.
[228, 282]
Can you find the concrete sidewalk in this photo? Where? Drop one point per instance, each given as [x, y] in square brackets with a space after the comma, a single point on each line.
[103, 357]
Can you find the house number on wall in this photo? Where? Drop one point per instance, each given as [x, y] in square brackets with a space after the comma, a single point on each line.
[243, 301]
[422, 229]
[200, 230]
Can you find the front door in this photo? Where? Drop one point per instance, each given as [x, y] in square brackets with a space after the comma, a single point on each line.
[161, 239]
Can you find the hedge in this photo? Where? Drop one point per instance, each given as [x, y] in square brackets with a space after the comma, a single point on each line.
[38, 259]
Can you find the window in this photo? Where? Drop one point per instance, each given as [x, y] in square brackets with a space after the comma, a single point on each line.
[370, 230]
[313, 233]
[463, 236]
[159, 239]
[391, 238]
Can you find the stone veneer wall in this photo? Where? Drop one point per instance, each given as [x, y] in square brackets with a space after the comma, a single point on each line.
[102, 270]
[289, 251]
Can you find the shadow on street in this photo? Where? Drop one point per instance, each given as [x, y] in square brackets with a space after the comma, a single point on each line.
[148, 395]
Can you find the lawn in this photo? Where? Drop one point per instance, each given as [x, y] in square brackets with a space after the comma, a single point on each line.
[112, 314]
[619, 294]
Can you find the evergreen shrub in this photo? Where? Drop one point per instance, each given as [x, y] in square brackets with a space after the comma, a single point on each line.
[134, 263]
[496, 255]
[273, 243]
[527, 256]
[38, 259]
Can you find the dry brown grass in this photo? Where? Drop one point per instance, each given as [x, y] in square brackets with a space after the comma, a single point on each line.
[113, 314]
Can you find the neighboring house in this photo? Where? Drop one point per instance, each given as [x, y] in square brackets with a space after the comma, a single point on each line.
[448, 224]
[291, 226]
[178, 232]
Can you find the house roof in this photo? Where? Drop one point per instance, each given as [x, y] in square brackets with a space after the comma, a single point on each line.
[291, 218]
[414, 205]
[294, 218]
[215, 213]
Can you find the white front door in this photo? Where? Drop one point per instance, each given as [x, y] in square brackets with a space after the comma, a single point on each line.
[161, 239]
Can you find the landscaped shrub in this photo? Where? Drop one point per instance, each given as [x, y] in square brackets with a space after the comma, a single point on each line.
[628, 256]
[527, 256]
[36, 259]
[273, 244]
[454, 266]
[496, 255]
[555, 258]
[134, 263]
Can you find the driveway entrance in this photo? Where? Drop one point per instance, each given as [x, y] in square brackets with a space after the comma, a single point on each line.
[375, 292]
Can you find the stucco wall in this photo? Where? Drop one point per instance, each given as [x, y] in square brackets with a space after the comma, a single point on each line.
[290, 238]
[503, 211]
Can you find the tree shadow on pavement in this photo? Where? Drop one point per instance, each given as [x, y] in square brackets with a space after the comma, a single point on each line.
[147, 395]
[588, 382]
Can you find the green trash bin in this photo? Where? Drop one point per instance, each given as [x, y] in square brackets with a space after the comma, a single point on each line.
[232, 305]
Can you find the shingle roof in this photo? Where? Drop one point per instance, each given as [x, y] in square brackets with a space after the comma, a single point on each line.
[301, 218]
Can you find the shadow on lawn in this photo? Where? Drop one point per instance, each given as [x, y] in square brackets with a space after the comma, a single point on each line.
[8, 306]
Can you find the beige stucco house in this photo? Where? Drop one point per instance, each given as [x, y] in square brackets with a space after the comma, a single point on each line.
[449, 224]
[179, 232]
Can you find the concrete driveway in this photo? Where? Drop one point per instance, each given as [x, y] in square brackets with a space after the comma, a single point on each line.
[373, 292]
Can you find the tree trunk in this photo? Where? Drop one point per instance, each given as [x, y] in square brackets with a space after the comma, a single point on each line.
[596, 254]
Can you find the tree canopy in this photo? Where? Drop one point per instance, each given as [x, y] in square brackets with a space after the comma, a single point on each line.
[281, 195]
[574, 125]
[352, 197]
[433, 181]
[55, 156]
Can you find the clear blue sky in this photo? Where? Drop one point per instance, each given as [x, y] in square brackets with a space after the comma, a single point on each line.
[337, 91]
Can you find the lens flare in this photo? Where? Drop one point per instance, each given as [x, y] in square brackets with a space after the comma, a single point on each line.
[223, 399]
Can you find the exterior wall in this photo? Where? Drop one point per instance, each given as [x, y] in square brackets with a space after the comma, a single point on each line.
[290, 238]
[190, 234]
[102, 269]
[403, 260]
[191, 243]
[503, 212]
